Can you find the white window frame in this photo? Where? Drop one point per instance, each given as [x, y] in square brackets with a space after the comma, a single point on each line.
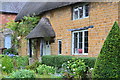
[78, 44]
[78, 6]
[59, 47]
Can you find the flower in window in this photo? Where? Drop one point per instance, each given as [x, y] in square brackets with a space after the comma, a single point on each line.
[80, 51]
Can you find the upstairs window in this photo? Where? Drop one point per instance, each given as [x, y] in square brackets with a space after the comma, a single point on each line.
[81, 11]
[80, 42]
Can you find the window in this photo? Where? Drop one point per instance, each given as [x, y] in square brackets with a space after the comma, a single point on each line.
[80, 42]
[80, 12]
[7, 43]
[59, 46]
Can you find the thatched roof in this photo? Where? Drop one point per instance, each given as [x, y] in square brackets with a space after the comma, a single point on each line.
[43, 29]
[11, 7]
[36, 8]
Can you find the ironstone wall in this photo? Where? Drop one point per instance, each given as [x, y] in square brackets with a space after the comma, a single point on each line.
[102, 16]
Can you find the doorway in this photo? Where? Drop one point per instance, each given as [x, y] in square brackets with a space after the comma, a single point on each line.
[46, 48]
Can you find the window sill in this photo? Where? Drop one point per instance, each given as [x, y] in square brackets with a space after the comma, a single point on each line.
[81, 54]
[59, 54]
[80, 18]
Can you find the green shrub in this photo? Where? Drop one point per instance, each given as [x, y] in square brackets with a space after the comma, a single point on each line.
[1, 55]
[108, 61]
[89, 61]
[58, 60]
[23, 73]
[20, 61]
[11, 51]
[33, 66]
[74, 68]
[55, 60]
[44, 69]
[7, 64]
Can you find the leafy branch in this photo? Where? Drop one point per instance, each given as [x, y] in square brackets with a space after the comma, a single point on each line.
[22, 29]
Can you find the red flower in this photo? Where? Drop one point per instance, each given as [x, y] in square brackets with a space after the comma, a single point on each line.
[79, 50]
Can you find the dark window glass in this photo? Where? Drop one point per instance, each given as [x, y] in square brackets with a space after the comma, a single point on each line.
[80, 40]
[86, 10]
[80, 12]
[86, 50]
[86, 42]
[76, 15]
[75, 41]
[60, 46]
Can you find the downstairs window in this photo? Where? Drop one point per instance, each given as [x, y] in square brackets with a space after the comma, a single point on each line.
[80, 42]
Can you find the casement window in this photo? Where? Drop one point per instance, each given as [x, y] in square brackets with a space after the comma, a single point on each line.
[80, 42]
[80, 11]
[59, 46]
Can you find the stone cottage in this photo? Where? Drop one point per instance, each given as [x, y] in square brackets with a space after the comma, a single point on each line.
[70, 28]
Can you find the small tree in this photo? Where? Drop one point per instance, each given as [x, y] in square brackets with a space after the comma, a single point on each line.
[22, 29]
[108, 61]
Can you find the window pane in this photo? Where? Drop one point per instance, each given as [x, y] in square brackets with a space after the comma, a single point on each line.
[86, 10]
[86, 42]
[7, 41]
[60, 46]
[86, 50]
[86, 36]
[80, 36]
[86, 33]
[80, 45]
[80, 40]
[75, 41]
[86, 39]
[81, 11]
[75, 13]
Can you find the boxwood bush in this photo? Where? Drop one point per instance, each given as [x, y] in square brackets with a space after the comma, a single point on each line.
[58, 60]
[108, 62]
[55, 60]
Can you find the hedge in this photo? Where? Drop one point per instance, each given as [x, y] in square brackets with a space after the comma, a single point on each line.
[58, 60]
[108, 62]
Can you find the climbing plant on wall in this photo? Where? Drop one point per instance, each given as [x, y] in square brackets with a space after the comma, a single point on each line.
[22, 29]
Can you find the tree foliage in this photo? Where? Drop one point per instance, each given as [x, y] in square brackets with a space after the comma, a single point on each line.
[22, 29]
[108, 61]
